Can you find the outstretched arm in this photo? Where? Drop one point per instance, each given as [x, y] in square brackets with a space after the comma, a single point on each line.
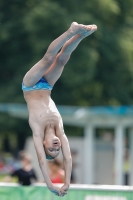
[42, 158]
[67, 160]
[67, 163]
[43, 164]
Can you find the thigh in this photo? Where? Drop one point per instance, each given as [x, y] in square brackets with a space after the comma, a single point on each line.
[55, 71]
[53, 74]
[37, 71]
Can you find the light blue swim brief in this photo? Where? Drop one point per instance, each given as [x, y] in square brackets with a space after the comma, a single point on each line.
[42, 84]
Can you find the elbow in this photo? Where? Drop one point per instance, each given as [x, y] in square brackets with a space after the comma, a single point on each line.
[48, 58]
[68, 159]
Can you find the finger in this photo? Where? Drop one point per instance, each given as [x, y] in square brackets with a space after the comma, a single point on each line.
[56, 193]
[63, 195]
[64, 191]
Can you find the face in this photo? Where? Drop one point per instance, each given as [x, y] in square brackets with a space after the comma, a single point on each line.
[25, 161]
[52, 146]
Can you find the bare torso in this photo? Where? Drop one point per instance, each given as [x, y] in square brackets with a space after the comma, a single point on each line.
[42, 111]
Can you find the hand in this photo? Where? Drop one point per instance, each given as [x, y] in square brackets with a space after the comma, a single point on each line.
[64, 189]
[55, 190]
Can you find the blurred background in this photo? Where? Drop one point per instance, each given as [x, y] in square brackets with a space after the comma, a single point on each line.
[94, 94]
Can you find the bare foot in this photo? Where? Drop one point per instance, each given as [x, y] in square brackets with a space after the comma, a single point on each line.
[89, 30]
[84, 30]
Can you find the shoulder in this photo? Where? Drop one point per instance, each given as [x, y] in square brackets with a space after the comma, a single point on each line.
[63, 138]
[60, 133]
[16, 172]
[59, 128]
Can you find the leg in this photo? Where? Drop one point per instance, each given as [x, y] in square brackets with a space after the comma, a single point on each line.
[54, 72]
[37, 71]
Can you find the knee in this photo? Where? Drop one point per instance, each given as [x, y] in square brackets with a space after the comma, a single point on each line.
[48, 58]
[62, 59]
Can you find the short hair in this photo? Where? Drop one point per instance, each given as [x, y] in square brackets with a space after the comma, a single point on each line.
[24, 155]
[48, 157]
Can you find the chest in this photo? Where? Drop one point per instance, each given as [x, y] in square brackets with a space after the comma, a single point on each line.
[25, 174]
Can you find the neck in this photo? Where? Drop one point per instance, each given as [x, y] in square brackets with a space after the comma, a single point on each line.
[26, 166]
[49, 131]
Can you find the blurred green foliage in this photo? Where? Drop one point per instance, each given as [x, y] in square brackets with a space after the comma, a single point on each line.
[100, 71]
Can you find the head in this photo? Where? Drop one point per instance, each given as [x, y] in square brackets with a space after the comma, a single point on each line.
[52, 146]
[25, 158]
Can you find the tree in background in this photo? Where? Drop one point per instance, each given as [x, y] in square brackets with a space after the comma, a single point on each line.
[103, 62]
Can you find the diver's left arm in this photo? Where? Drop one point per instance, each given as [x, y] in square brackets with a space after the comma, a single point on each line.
[67, 160]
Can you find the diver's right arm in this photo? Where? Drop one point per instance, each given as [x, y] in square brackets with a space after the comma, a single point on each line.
[42, 158]
[37, 131]
[43, 164]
